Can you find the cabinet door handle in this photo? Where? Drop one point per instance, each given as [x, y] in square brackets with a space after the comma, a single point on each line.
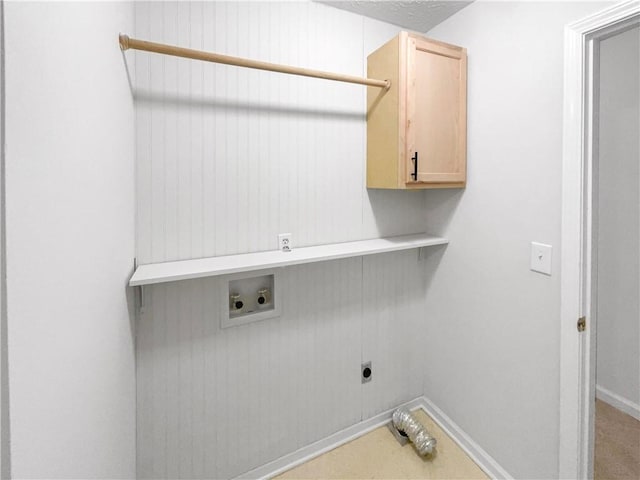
[414, 175]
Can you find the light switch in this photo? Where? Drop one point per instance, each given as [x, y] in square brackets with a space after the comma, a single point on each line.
[541, 258]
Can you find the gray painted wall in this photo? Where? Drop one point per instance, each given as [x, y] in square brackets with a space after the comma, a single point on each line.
[70, 239]
[494, 333]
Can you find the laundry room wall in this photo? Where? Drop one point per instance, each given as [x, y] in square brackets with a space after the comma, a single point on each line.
[228, 158]
[493, 324]
[70, 232]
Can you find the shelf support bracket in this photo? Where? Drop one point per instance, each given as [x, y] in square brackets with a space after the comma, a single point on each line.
[142, 299]
[140, 296]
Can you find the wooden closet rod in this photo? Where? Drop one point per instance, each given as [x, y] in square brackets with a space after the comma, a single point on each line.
[127, 43]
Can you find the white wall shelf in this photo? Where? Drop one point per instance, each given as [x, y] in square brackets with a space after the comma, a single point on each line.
[246, 262]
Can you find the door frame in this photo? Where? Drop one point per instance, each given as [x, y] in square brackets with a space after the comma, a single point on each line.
[579, 222]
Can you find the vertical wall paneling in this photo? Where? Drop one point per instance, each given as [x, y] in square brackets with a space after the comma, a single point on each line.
[157, 147]
[227, 158]
[392, 338]
[216, 402]
[143, 135]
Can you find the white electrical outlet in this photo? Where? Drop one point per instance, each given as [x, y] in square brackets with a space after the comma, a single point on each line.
[284, 242]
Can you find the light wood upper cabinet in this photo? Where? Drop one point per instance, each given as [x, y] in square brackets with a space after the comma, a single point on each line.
[423, 115]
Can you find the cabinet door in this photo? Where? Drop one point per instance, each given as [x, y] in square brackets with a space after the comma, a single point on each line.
[436, 112]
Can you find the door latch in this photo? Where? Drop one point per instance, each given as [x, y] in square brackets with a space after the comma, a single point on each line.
[582, 324]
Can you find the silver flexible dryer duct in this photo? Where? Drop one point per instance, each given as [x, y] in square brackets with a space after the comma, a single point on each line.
[405, 422]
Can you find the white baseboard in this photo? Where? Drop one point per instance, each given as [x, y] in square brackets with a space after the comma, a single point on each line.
[304, 454]
[485, 461]
[616, 401]
[471, 448]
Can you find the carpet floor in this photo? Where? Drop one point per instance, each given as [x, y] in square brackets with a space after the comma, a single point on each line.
[617, 444]
[378, 455]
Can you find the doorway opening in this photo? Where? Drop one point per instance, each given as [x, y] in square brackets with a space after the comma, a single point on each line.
[580, 229]
[616, 255]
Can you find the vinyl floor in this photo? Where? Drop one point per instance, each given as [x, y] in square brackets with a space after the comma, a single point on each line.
[378, 455]
[617, 444]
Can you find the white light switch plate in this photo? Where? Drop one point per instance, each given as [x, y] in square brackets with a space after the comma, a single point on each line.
[541, 258]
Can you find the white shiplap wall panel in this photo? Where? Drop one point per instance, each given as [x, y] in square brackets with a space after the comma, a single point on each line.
[227, 158]
[143, 133]
[230, 157]
[392, 338]
[216, 402]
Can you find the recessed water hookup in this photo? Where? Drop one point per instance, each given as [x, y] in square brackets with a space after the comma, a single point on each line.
[235, 302]
[263, 297]
[252, 296]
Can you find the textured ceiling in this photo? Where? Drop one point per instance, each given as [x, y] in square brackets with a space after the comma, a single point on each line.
[417, 15]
